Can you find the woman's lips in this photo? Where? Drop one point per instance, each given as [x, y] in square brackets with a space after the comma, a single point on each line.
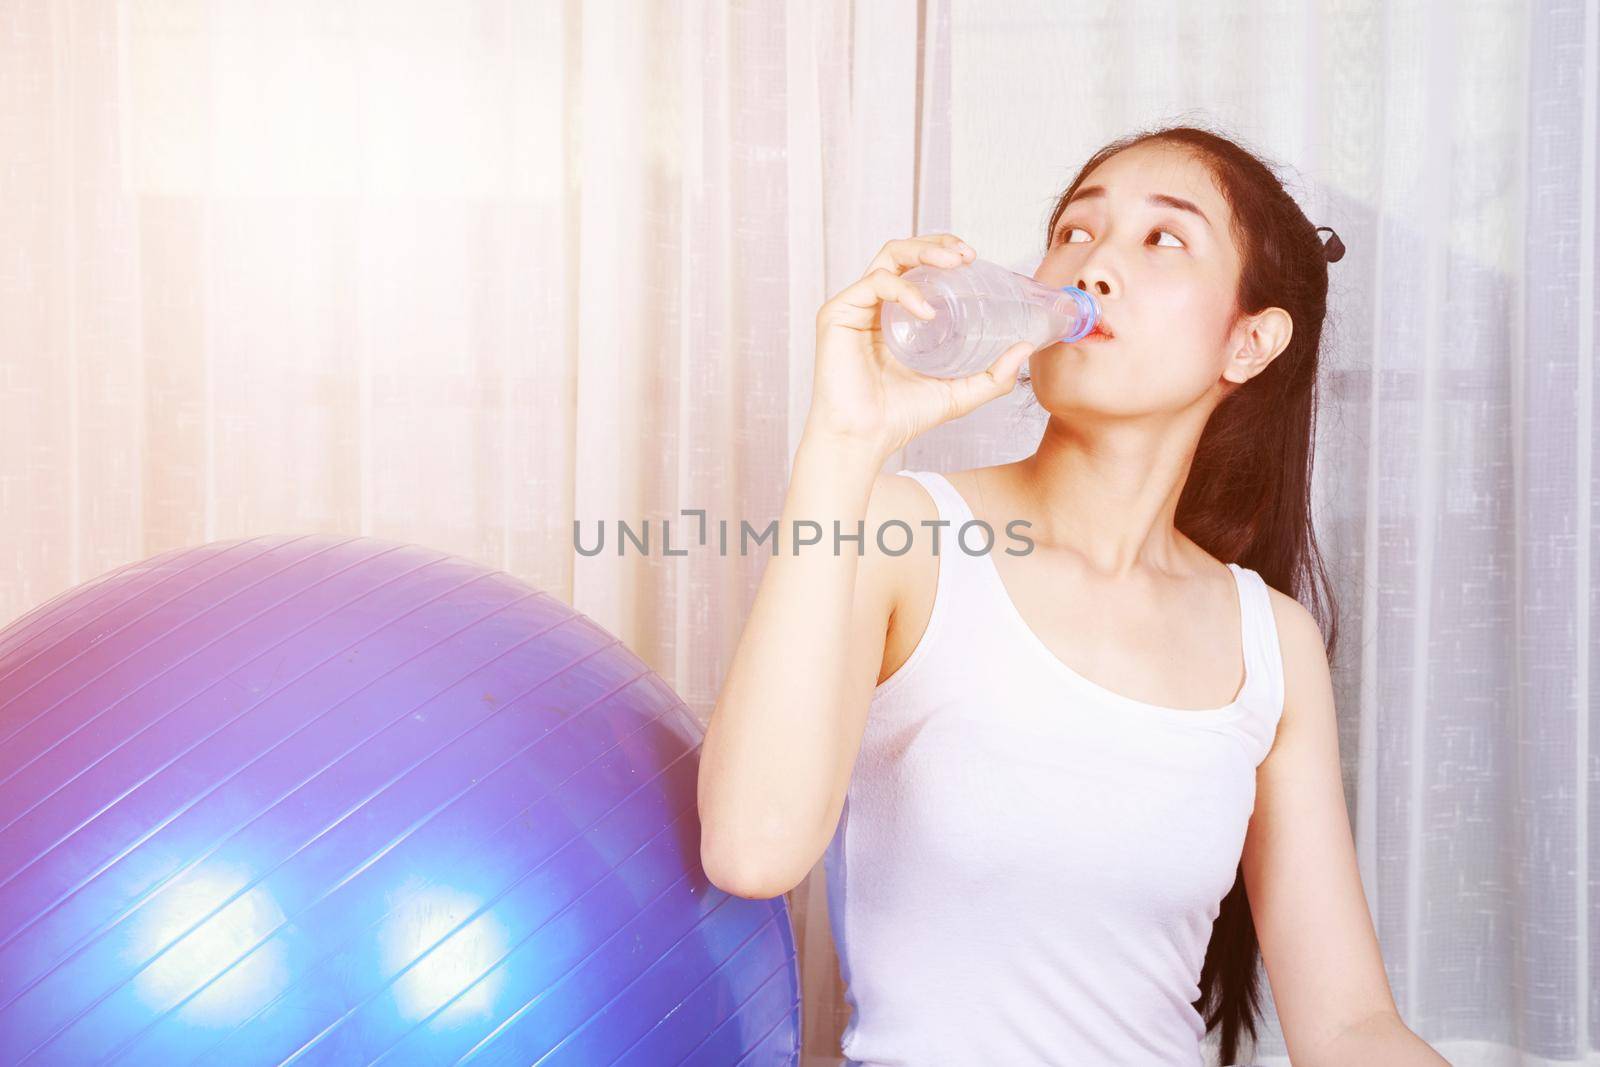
[1097, 334]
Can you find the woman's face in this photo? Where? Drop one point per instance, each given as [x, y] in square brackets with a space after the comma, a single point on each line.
[1165, 278]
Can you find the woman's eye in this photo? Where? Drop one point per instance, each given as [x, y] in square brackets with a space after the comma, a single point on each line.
[1064, 236]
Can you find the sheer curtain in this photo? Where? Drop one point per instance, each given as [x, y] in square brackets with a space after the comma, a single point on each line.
[463, 273]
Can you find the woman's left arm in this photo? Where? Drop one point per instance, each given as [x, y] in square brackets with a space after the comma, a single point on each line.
[1311, 917]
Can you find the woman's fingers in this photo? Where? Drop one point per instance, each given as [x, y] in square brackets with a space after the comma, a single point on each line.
[856, 305]
[998, 379]
[937, 249]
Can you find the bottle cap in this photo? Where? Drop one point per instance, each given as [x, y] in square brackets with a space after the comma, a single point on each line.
[1089, 313]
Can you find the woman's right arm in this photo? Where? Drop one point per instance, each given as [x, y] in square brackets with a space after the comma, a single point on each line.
[779, 749]
[782, 739]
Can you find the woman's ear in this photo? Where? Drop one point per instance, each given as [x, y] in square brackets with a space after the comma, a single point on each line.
[1257, 341]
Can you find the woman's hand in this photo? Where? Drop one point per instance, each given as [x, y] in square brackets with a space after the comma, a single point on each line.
[860, 392]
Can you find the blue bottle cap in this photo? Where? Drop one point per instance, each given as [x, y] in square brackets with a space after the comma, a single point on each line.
[1090, 311]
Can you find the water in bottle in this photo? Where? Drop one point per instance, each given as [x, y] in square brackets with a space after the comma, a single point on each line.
[981, 309]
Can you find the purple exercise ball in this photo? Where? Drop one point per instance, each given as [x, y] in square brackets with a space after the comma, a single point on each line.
[322, 799]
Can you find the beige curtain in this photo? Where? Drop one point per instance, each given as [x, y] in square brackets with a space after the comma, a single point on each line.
[462, 273]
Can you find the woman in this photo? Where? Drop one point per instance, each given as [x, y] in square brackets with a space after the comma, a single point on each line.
[1066, 791]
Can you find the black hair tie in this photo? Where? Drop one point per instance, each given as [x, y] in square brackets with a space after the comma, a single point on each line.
[1332, 248]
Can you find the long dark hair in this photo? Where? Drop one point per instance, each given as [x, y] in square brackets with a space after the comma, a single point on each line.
[1247, 498]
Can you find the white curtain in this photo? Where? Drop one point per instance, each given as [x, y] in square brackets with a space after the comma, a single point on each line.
[462, 273]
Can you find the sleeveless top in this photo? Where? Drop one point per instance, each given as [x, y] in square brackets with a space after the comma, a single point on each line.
[1028, 865]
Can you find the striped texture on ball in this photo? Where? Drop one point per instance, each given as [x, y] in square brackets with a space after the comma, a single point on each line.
[340, 800]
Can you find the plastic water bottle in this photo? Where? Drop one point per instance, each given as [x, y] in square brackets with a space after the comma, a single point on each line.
[981, 309]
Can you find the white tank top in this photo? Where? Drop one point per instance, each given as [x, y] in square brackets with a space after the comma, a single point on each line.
[1028, 865]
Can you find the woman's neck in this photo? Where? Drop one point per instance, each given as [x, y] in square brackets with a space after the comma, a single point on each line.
[1110, 496]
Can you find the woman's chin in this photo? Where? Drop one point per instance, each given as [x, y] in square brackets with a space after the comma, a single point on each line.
[1060, 353]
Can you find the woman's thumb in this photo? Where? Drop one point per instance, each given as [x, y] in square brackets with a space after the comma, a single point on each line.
[1009, 365]
[998, 380]
[1004, 370]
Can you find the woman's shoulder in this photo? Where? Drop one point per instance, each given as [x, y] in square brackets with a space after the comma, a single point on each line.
[910, 578]
[1292, 622]
[897, 498]
[1308, 703]
[1305, 654]
[1296, 627]
[897, 495]
[914, 501]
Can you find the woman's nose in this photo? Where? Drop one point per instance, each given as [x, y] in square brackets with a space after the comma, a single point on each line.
[1102, 286]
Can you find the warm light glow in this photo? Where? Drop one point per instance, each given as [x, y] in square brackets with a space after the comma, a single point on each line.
[203, 953]
[289, 100]
[446, 968]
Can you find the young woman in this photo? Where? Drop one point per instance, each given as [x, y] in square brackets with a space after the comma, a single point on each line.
[1068, 787]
